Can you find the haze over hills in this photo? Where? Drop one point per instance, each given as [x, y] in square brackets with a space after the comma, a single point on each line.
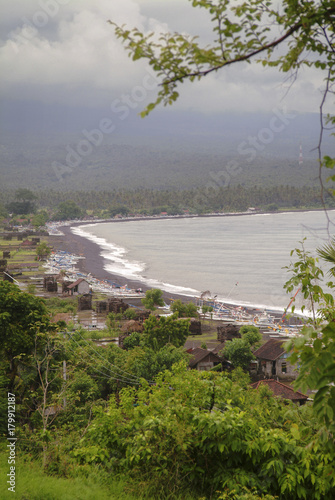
[165, 150]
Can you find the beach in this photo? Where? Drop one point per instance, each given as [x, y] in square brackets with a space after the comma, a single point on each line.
[94, 263]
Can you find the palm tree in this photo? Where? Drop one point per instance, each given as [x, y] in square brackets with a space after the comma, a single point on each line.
[327, 253]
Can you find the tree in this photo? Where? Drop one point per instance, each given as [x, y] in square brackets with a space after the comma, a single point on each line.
[246, 31]
[251, 335]
[22, 317]
[25, 202]
[199, 435]
[238, 351]
[43, 250]
[68, 210]
[40, 219]
[184, 310]
[315, 350]
[153, 298]
[158, 332]
[253, 29]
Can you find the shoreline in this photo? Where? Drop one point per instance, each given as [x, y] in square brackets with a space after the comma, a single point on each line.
[76, 223]
[94, 263]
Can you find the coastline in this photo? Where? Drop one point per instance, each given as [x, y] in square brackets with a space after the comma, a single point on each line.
[94, 263]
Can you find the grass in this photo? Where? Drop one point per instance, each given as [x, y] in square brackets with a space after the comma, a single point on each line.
[33, 484]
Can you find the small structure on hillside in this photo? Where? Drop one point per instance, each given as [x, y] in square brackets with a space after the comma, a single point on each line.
[27, 243]
[3, 265]
[6, 254]
[272, 361]
[113, 305]
[85, 302]
[282, 390]
[195, 326]
[202, 359]
[228, 332]
[50, 284]
[81, 286]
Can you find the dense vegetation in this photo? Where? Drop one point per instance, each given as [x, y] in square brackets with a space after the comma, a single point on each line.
[65, 205]
[136, 423]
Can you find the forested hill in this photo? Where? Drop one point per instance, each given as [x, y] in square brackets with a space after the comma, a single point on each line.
[114, 166]
[159, 152]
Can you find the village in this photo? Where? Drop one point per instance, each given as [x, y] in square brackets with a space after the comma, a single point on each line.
[30, 261]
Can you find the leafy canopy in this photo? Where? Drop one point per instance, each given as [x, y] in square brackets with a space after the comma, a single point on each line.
[242, 31]
[153, 298]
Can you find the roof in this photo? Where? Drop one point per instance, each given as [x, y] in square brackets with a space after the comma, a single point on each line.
[75, 283]
[198, 354]
[271, 350]
[281, 390]
[219, 348]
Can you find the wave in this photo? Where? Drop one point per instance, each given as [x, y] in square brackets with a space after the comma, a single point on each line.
[117, 263]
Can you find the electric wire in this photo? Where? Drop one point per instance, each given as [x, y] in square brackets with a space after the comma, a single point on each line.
[127, 374]
[116, 377]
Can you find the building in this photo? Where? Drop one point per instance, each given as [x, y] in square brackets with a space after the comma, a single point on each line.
[202, 359]
[282, 390]
[80, 286]
[272, 361]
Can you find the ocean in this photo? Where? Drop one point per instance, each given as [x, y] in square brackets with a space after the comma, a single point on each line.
[240, 259]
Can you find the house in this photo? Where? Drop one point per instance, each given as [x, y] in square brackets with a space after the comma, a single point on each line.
[282, 390]
[202, 359]
[80, 286]
[272, 360]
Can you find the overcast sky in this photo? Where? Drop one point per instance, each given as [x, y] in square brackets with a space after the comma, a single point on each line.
[64, 52]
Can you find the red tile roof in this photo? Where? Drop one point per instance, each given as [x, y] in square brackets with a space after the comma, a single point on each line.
[271, 350]
[281, 390]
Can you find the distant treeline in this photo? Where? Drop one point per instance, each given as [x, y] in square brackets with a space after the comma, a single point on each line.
[197, 200]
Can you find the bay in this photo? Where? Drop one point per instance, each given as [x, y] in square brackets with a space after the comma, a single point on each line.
[238, 258]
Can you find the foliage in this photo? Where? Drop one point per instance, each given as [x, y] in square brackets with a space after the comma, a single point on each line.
[153, 298]
[251, 335]
[308, 276]
[188, 310]
[24, 204]
[68, 210]
[199, 433]
[158, 332]
[33, 483]
[242, 31]
[315, 351]
[40, 218]
[22, 316]
[43, 249]
[130, 313]
[133, 340]
[238, 351]
[148, 363]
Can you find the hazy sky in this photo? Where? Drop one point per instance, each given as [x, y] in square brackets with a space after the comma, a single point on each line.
[65, 52]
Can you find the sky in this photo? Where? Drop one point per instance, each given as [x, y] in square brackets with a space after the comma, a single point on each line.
[63, 52]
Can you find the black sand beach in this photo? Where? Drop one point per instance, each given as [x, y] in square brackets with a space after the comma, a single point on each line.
[94, 262]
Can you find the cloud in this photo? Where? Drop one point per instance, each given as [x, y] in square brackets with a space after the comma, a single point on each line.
[64, 51]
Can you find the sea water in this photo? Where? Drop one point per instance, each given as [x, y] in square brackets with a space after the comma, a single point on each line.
[240, 259]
